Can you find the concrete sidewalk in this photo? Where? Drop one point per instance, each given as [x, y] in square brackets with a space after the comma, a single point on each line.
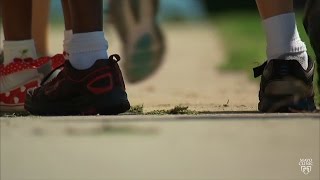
[219, 146]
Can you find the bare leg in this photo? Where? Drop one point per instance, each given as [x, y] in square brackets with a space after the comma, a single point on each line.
[269, 8]
[86, 16]
[40, 18]
[40, 23]
[16, 11]
[66, 14]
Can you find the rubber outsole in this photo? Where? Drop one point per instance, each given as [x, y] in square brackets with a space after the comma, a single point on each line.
[112, 103]
[286, 104]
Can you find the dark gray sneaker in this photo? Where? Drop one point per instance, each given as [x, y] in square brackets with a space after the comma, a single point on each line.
[285, 86]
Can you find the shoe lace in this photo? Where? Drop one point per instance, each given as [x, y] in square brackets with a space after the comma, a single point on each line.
[49, 74]
[113, 57]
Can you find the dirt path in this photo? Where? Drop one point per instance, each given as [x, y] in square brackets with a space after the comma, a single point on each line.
[190, 74]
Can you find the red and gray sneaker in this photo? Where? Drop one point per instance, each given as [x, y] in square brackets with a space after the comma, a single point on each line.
[98, 90]
[285, 86]
[19, 76]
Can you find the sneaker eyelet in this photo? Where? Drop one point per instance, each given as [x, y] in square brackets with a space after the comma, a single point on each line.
[115, 57]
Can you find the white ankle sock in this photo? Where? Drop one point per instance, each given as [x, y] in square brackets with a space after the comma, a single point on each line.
[67, 38]
[86, 48]
[18, 49]
[283, 40]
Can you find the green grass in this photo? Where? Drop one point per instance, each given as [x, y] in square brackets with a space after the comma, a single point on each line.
[244, 40]
[180, 109]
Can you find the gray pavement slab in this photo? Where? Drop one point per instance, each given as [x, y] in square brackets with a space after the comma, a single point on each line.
[218, 146]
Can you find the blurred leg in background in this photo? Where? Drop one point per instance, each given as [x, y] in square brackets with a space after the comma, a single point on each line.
[141, 36]
[67, 26]
[312, 26]
[40, 23]
[1, 50]
[287, 76]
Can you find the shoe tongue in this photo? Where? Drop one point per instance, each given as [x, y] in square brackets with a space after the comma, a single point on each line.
[257, 71]
[51, 76]
[298, 57]
[45, 69]
[76, 73]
